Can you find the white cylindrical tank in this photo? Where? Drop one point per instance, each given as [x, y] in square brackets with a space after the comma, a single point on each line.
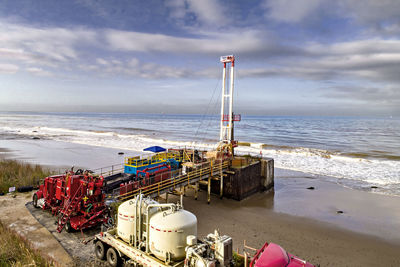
[168, 233]
[126, 217]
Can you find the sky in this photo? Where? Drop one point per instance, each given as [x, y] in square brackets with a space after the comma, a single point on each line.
[293, 57]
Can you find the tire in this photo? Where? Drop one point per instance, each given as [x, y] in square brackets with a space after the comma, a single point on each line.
[112, 257]
[99, 250]
[35, 200]
[68, 227]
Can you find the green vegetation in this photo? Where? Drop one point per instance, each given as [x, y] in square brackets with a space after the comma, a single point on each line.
[238, 260]
[15, 252]
[14, 173]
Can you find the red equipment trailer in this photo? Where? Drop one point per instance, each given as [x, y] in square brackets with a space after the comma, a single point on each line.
[77, 200]
[146, 177]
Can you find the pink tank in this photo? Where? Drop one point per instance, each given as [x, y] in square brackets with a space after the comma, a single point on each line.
[272, 255]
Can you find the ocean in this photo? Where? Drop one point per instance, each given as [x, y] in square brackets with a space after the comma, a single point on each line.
[355, 152]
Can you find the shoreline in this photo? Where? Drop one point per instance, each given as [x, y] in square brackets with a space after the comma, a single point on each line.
[296, 151]
[304, 222]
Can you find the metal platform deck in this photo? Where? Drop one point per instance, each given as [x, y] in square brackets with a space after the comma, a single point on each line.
[205, 172]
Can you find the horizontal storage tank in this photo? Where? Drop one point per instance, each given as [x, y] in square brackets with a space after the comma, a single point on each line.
[126, 217]
[168, 232]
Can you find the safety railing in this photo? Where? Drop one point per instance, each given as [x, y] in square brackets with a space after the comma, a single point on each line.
[156, 158]
[109, 170]
[201, 172]
[132, 185]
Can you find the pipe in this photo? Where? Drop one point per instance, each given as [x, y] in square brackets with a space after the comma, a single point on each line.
[140, 218]
[135, 228]
[221, 136]
[231, 102]
[200, 258]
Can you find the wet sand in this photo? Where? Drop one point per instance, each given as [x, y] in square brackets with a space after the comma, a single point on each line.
[4, 152]
[315, 241]
[361, 211]
[55, 153]
[304, 222]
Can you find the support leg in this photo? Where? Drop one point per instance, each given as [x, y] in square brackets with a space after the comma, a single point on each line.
[209, 190]
[221, 189]
[181, 199]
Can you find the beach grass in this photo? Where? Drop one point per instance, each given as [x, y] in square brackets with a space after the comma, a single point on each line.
[238, 260]
[15, 173]
[14, 251]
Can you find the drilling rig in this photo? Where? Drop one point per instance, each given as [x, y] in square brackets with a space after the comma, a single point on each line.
[226, 137]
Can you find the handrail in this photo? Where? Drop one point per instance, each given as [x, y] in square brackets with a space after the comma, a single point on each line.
[109, 172]
[147, 160]
[175, 181]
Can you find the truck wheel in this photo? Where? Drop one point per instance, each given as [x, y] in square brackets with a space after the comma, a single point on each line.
[68, 227]
[112, 257]
[99, 250]
[34, 200]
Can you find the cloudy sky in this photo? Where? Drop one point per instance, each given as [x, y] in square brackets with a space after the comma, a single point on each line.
[294, 57]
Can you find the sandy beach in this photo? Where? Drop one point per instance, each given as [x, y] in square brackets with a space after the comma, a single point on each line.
[304, 222]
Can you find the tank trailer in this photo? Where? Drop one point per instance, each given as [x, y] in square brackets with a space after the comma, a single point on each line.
[152, 234]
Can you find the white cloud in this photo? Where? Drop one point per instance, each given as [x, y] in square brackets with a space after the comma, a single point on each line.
[250, 41]
[101, 61]
[370, 61]
[209, 12]
[42, 44]
[39, 49]
[135, 68]
[39, 71]
[206, 12]
[290, 11]
[368, 46]
[373, 11]
[384, 95]
[8, 68]
[178, 8]
[377, 17]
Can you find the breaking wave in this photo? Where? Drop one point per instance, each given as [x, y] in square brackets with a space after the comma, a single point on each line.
[353, 170]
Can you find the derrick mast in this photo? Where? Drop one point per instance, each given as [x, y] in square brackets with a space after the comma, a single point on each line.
[226, 137]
